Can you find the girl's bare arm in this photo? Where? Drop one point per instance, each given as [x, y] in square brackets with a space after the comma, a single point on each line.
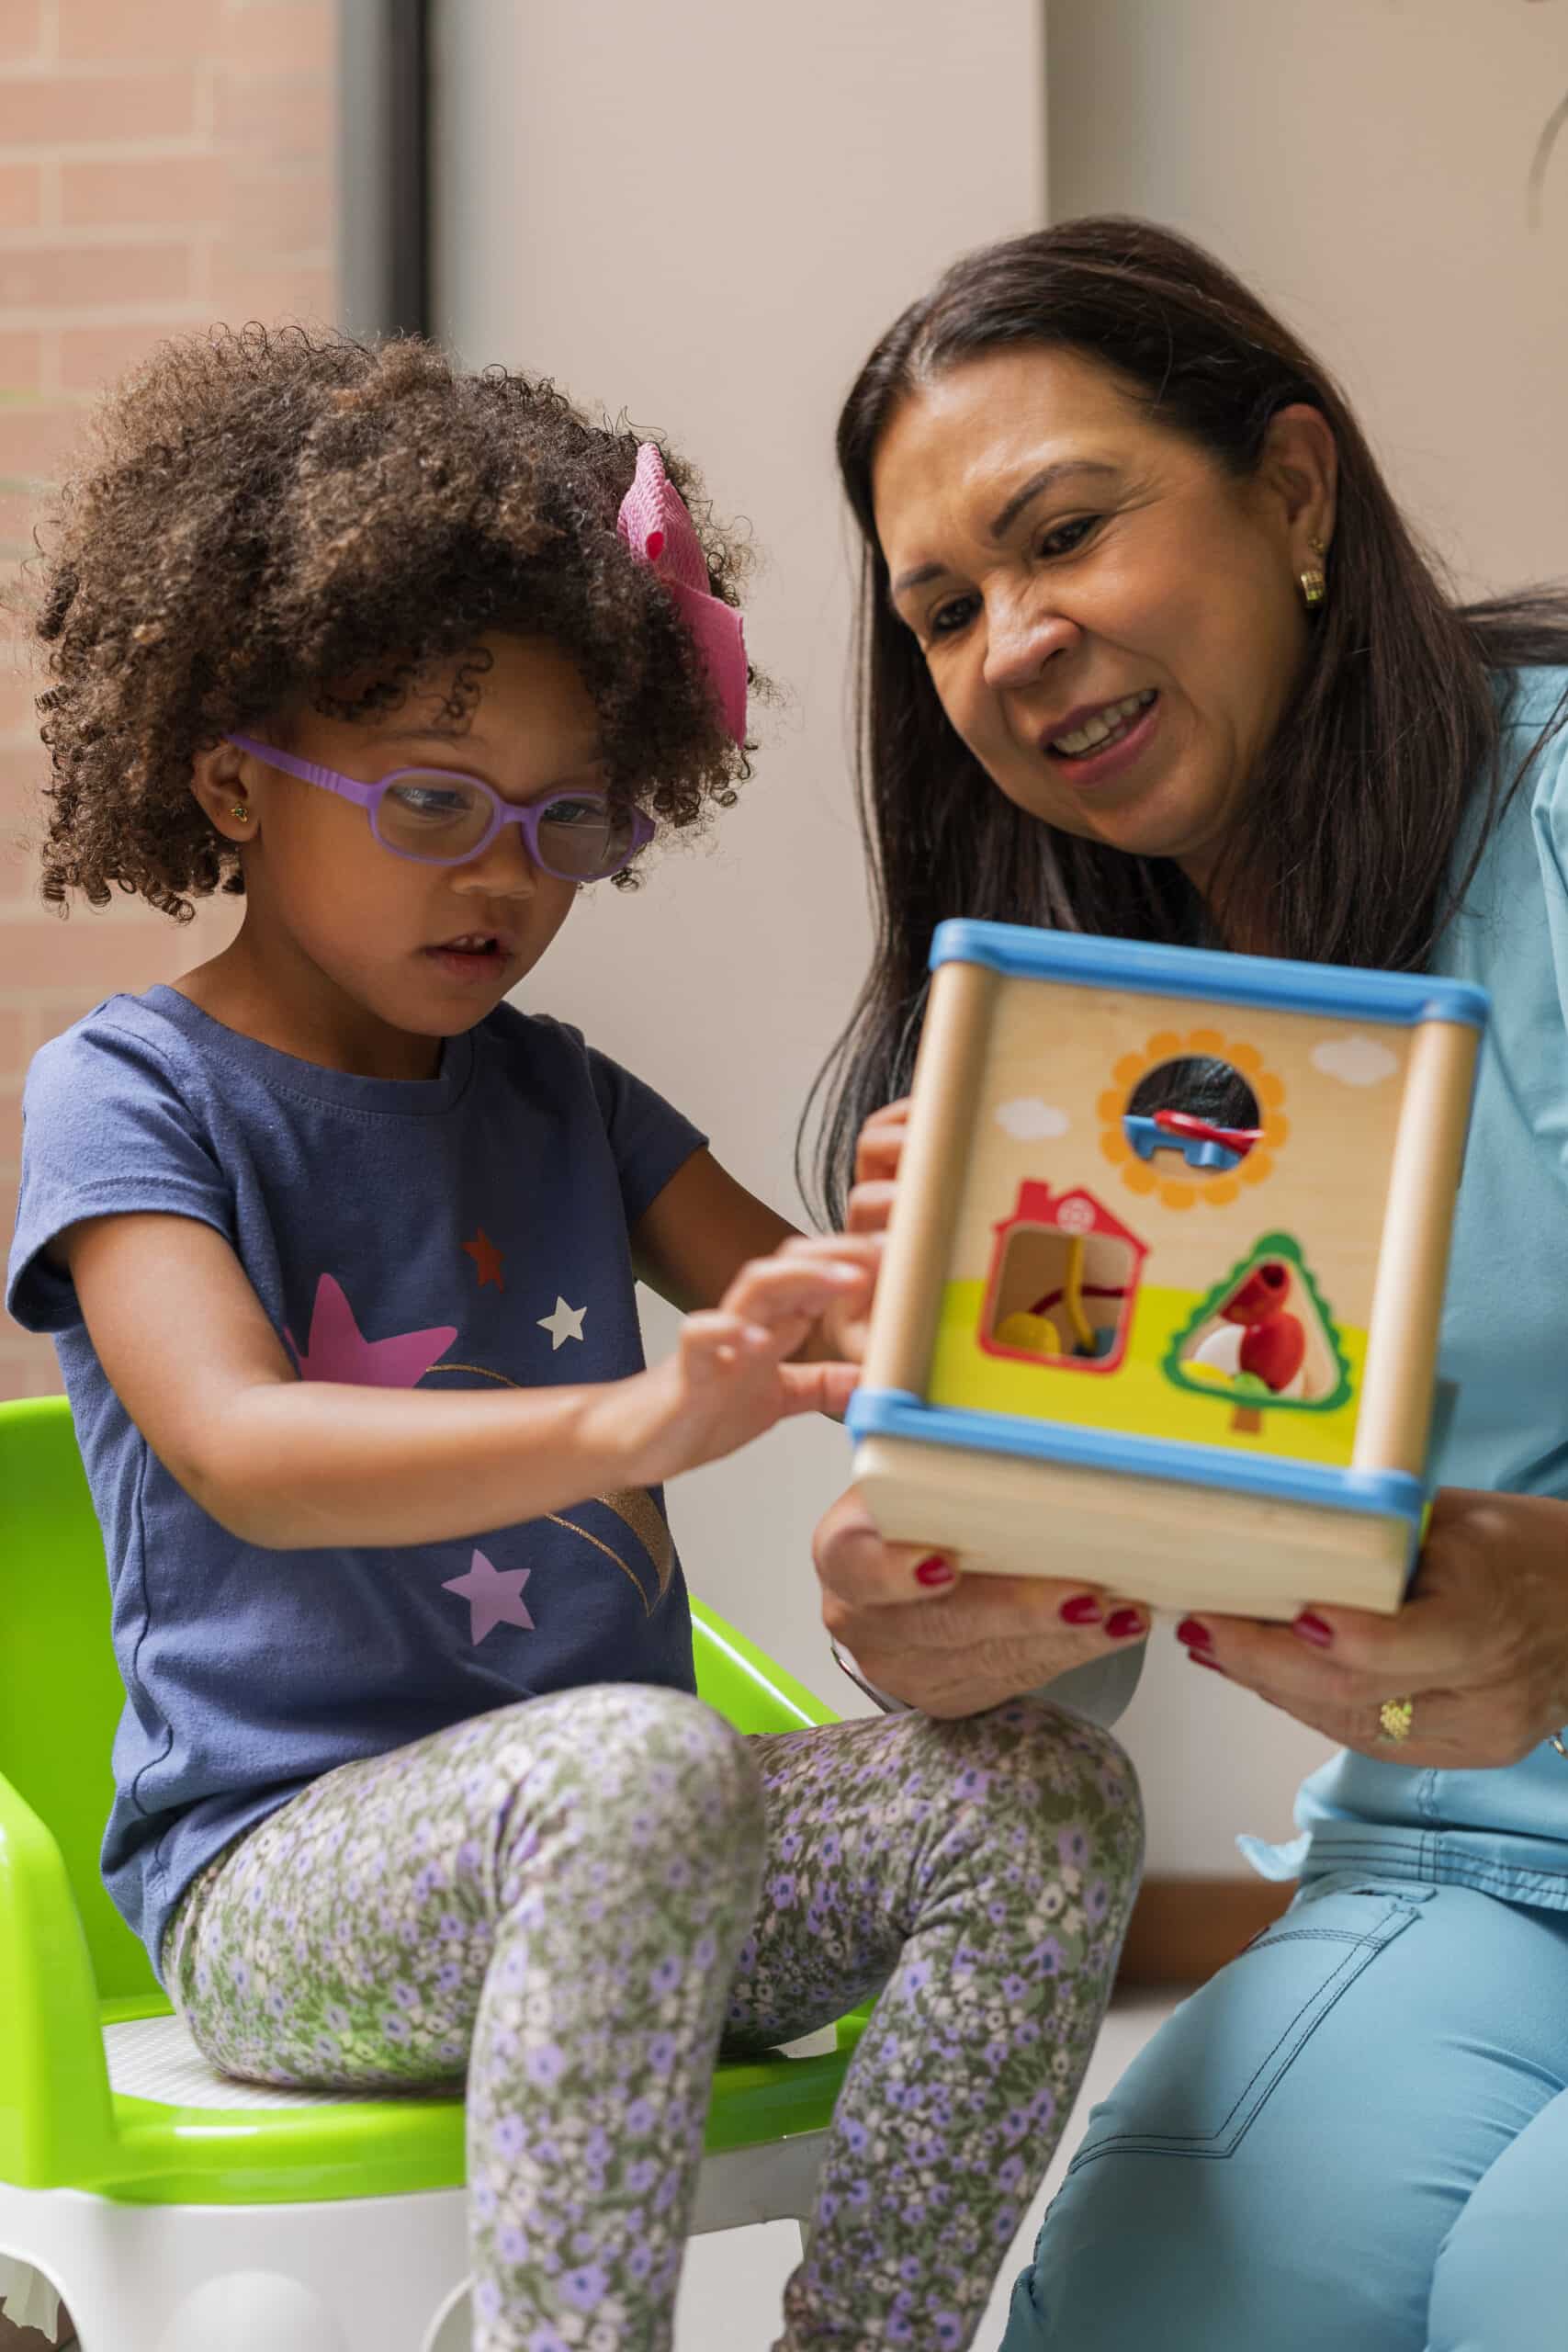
[692, 1240]
[293, 1464]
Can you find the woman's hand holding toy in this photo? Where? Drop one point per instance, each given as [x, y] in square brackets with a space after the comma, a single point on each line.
[1479, 1648]
[952, 1644]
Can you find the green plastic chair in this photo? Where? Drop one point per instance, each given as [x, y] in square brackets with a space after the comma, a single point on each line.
[172, 2210]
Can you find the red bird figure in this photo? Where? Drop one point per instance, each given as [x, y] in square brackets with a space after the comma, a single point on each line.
[1275, 1344]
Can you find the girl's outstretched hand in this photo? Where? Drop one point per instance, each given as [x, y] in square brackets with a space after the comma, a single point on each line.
[729, 1378]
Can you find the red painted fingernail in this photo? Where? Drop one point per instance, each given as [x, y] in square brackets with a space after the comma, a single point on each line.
[936, 1570]
[1122, 1622]
[1194, 1634]
[1198, 1658]
[1082, 1610]
[1312, 1629]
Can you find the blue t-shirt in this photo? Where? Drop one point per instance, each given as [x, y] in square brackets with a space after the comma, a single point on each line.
[466, 1231]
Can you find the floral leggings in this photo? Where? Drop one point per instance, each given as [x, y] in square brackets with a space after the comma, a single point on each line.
[583, 1898]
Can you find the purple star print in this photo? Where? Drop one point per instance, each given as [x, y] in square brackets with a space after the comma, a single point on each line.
[494, 1597]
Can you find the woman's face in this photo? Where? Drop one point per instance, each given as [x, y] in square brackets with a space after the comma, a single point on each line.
[1113, 624]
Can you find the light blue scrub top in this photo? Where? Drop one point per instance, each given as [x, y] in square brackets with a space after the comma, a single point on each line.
[1504, 1343]
[1505, 1340]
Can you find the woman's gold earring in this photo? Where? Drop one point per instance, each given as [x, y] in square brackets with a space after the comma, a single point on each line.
[240, 811]
[1314, 587]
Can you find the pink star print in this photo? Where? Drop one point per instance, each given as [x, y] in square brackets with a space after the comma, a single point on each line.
[494, 1597]
[337, 1352]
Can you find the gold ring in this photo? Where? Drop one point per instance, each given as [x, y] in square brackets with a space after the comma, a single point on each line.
[1395, 1717]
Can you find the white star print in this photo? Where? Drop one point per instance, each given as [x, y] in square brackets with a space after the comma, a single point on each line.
[566, 1323]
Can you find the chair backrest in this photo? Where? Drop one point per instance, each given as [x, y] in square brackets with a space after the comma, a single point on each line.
[60, 1694]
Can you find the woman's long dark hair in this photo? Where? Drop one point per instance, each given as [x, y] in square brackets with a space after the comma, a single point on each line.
[1345, 845]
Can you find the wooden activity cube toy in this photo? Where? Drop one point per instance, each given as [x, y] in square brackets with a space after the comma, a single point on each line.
[1160, 1300]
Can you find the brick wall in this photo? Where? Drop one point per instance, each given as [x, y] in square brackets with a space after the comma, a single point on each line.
[162, 163]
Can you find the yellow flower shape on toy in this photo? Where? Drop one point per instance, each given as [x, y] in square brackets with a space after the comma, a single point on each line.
[1182, 1191]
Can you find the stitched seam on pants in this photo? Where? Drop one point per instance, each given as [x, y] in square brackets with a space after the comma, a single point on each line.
[1331, 1854]
[1327, 1994]
[1508, 1881]
[1272, 1935]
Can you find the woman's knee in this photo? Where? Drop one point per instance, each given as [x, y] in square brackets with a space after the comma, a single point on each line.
[1219, 2260]
[1208, 2154]
[1501, 2278]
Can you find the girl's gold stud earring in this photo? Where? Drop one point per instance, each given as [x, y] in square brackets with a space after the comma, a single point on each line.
[242, 812]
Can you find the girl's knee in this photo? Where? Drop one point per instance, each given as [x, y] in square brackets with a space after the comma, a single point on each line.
[1054, 1765]
[693, 1764]
[653, 1770]
[1088, 1765]
[1025, 1797]
[1037, 1721]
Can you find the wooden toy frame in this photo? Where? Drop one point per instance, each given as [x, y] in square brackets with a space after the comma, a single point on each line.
[976, 1429]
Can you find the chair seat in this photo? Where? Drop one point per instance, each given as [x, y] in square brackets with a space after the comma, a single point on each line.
[78, 1997]
[196, 2137]
[156, 2060]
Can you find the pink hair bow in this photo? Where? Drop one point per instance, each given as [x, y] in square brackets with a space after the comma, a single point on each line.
[655, 524]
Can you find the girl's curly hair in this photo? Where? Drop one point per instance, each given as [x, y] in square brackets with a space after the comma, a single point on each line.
[271, 517]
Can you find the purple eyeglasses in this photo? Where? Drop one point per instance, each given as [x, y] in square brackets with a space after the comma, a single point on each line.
[439, 819]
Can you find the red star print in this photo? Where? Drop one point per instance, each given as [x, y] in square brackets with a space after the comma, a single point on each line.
[487, 1257]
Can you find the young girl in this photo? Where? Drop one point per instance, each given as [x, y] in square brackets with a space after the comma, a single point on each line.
[340, 1248]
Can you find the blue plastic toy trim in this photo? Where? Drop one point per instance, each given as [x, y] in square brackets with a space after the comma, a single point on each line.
[894, 1412]
[1141, 968]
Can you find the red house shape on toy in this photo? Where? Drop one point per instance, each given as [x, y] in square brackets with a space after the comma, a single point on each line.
[1028, 1273]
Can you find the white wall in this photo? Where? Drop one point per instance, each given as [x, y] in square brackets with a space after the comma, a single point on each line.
[1364, 162]
[704, 214]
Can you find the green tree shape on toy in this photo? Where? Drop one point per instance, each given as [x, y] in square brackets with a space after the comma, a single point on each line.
[1249, 1394]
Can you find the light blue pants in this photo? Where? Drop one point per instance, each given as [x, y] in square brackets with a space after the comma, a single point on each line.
[1354, 2138]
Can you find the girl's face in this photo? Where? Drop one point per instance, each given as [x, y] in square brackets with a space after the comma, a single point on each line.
[346, 953]
[1112, 623]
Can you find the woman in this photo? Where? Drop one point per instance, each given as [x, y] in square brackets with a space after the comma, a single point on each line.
[1151, 652]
